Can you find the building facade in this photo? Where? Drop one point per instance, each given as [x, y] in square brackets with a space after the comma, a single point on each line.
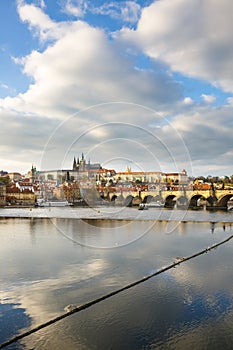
[2, 194]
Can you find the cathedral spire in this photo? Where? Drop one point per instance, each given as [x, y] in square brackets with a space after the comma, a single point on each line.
[74, 164]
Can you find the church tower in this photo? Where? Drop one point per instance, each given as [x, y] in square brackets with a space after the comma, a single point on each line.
[32, 173]
[82, 165]
[74, 164]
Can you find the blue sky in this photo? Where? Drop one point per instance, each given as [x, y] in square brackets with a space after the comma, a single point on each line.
[142, 83]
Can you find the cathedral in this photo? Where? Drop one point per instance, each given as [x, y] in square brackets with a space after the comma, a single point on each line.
[81, 165]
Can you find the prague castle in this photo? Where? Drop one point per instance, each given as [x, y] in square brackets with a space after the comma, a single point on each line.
[81, 165]
[81, 168]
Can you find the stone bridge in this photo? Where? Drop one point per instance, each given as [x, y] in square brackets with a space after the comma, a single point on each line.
[170, 198]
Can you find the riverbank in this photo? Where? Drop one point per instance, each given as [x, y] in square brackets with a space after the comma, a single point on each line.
[119, 213]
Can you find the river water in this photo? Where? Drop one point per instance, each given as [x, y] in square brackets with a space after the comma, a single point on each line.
[51, 258]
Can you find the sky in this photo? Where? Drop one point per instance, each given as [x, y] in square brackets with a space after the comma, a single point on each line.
[145, 84]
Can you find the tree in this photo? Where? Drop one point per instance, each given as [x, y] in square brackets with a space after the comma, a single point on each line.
[216, 179]
[226, 179]
[5, 180]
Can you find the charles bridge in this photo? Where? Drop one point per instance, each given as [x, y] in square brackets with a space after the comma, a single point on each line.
[212, 198]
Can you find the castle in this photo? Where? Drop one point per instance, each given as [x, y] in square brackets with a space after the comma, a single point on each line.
[80, 165]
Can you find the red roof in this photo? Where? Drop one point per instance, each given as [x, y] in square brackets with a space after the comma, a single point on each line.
[15, 189]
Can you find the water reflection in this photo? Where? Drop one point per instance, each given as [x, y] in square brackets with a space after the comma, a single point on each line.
[212, 227]
[103, 234]
[190, 306]
[13, 318]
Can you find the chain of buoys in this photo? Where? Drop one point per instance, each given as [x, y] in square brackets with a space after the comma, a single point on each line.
[72, 309]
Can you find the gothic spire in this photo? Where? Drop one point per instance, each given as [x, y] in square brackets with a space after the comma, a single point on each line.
[74, 164]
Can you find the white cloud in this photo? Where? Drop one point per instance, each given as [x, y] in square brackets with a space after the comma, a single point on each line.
[77, 8]
[230, 101]
[41, 24]
[4, 86]
[37, 19]
[127, 11]
[87, 69]
[42, 4]
[208, 98]
[188, 101]
[193, 38]
[207, 134]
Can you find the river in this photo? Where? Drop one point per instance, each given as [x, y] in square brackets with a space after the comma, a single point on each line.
[55, 257]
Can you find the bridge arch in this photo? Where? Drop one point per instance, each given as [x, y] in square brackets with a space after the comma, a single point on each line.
[222, 202]
[195, 199]
[103, 200]
[147, 199]
[136, 200]
[128, 201]
[113, 198]
[170, 201]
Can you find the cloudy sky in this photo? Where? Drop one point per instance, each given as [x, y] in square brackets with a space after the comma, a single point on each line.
[147, 84]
